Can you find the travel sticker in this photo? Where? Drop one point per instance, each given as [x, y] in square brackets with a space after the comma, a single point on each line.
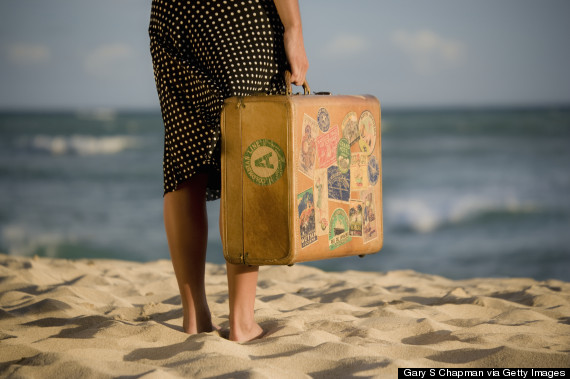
[350, 127]
[338, 184]
[305, 206]
[320, 190]
[367, 128]
[307, 153]
[355, 218]
[343, 155]
[326, 147]
[323, 119]
[339, 229]
[373, 170]
[358, 171]
[369, 231]
[264, 162]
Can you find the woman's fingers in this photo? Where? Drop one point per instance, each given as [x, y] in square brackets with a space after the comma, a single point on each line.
[296, 55]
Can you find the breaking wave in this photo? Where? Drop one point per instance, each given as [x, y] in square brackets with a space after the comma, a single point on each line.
[421, 216]
[83, 144]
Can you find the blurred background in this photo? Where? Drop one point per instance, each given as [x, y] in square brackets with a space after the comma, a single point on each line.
[475, 130]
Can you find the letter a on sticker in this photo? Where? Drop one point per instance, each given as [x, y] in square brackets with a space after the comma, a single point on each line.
[264, 161]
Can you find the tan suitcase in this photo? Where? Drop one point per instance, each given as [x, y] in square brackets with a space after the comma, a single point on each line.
[301, 178]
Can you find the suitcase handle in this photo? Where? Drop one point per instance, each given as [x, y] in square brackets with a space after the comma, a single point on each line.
[306, 88]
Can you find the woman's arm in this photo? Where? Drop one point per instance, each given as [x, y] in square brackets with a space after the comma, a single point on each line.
[293, 39]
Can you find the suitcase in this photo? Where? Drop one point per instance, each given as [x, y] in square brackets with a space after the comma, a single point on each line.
[301, 178]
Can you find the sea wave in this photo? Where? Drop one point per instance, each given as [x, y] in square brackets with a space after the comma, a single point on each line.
[19, 240]
[100, 114]
[83, 144]
[423, 216]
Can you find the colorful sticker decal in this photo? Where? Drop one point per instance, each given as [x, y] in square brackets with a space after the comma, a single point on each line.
[339, 229]
[338, 184]
[369, 231]
[373, 170]
[326, 147]
[367, 128]
[321, 202]
[306, 217]
[264, 162]
[350, 127]
[355, 218]
[358, 171]
[343, 155]
[307, 153]
[323, 119]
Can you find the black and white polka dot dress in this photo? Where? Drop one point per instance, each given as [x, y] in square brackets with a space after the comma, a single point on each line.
[204, 51]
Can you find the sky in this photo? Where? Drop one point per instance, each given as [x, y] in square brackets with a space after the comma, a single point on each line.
[86, 54]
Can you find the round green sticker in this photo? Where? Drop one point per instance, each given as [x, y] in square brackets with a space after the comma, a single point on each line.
[264, 162]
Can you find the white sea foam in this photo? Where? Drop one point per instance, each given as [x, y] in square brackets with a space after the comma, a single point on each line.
[84, 144]
[24, 242]
[468, 207]
[414, 213]
[426, 216]
[100, 114]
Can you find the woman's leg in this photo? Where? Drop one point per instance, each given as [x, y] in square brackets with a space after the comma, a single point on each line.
[242, 283]
[186, 224]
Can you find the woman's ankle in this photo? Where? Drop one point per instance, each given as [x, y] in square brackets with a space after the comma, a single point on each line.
[243, 332]
[194, 324]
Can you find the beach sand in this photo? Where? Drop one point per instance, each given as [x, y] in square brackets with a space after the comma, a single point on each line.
[104, 318]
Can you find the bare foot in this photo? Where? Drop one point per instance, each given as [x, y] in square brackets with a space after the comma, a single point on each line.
[205, 326]
[207, 329]
[246, 334]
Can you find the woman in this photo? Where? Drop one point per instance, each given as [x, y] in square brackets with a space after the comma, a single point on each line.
[203, 52]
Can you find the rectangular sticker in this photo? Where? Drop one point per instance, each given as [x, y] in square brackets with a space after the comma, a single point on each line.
[358, 171]
[321, 202]
[305, 206]
[308, 150]
[326, 147]
[369, 230]
[338, 184]
[355, 217]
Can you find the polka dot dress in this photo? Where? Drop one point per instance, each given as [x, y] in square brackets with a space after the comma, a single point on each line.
[204, 52]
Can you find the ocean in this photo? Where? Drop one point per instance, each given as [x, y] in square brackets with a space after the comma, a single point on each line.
[467, 192]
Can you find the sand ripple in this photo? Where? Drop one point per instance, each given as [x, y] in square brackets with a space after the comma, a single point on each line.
[96, 318]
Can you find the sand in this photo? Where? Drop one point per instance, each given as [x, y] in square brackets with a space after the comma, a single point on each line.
[103, 318]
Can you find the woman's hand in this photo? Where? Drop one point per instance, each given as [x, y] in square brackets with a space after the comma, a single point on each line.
[293, 39]
[296, 55]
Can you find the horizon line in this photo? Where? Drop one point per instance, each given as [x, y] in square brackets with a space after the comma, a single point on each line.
[390, 108]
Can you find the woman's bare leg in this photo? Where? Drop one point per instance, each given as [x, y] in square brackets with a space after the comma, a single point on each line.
[242, 286]
[186, 224]
[242, 283]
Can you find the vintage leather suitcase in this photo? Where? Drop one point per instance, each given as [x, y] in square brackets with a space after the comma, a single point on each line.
[301, 178]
